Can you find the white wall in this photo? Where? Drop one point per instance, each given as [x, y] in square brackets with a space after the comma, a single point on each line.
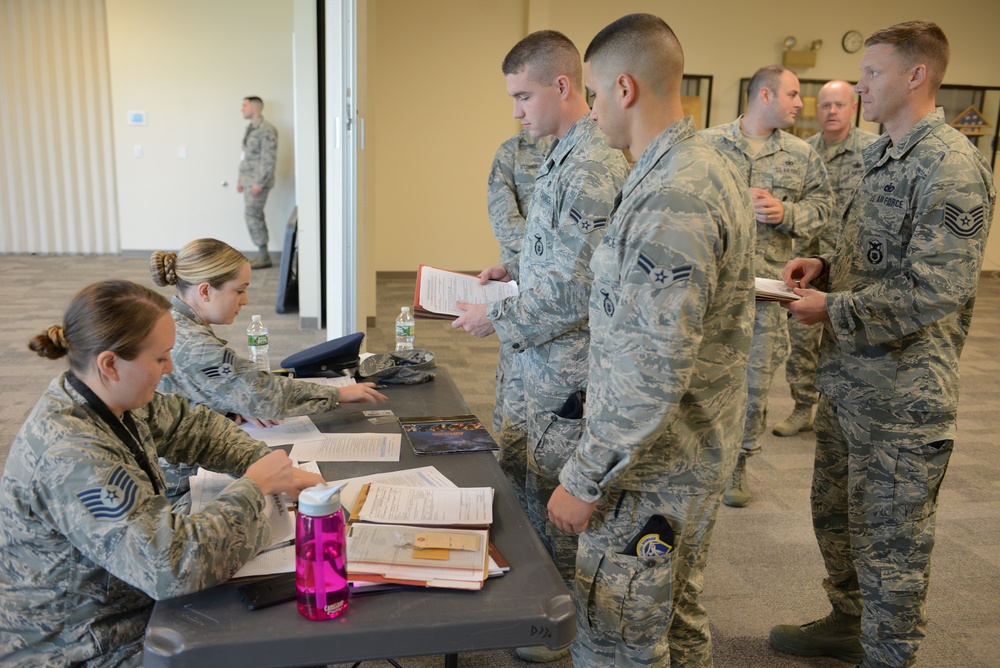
[188, 64]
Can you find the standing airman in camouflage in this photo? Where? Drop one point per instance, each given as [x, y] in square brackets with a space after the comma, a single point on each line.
[902, 286]
[257, 162]
[89, 540]
[791, 198]
[547, 322]
[212, 281]
[671, 317]
[839, 145]
[512, 180]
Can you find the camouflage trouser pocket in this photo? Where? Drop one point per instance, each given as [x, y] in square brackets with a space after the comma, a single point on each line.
[901, 608]
[631, 598]
[552, 440]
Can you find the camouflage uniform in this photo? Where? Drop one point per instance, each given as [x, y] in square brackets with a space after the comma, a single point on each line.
[903, 282]
[791, 171]
[512, 180]
[87, 544]
[547, 323]
[844, 166]
[207, 371]
[671, 316]
[260, 153]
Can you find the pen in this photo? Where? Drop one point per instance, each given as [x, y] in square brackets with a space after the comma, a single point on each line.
[278, 546]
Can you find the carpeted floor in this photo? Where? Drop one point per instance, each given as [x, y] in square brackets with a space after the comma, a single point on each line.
[764, 568]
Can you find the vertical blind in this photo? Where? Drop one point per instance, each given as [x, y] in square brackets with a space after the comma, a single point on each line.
[57, 173]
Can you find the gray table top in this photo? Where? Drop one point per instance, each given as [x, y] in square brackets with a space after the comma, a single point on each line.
[529, 605]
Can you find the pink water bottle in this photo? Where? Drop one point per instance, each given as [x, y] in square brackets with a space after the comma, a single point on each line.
[321, 553]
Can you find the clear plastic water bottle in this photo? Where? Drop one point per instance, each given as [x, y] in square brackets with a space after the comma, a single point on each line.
[257, 341]
[405, 329]
[321, 553]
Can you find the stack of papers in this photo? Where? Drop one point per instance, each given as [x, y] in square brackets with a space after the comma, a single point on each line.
[771, 290]
[429, 536]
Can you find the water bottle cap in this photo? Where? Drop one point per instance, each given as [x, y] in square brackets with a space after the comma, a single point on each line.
[406, 309]
[255, 318]
[321, 500]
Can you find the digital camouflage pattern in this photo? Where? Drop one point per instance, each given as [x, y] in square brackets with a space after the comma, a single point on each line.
[671, 313]
[260, 155]
[208, 372]
[546, 324]
[511, 182]
[87, 545]
[902, 289]
[845, 166]
[792, 172]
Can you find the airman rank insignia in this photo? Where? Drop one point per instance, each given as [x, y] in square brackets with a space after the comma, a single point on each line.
[662, 277]
[964, 224]
[587, 225]
[539, 246]
[224, 370]
[112, 499]
[609, 306]
[873, 250]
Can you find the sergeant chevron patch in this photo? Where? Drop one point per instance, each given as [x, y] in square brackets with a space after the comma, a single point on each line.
[114, 498]
[224, 370]
[964, 224]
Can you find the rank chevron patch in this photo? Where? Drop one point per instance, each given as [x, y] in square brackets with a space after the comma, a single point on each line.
[587, 225]
[224, 370]
[112, 499]
[964, 224]
[662, 277]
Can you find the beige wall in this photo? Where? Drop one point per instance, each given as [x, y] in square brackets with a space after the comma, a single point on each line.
[188, 64]
[438, 109]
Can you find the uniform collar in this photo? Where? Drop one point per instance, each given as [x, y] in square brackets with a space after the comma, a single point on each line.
[562, 147]
[881, 151]
[775, 142]
[661, 144]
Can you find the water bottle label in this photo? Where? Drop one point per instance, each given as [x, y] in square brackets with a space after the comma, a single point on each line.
[256, 339]
[404, 330]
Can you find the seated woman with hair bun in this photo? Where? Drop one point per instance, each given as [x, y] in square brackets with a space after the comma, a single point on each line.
[88, 538]
[212, 281]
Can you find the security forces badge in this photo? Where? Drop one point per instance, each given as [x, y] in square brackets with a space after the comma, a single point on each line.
[661, 277]
[113, 498]
[873, 250]
[224, 370]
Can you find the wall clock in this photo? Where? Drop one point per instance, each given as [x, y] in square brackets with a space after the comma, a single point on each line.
[852, 41]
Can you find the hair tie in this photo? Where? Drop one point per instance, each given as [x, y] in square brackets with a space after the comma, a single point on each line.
[57, 335]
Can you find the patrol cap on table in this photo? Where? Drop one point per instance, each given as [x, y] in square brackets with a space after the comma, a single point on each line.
[328, 356]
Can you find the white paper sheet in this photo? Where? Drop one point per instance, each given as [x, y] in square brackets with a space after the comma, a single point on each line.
[440, 289]
[291, 430]
[334, 381]
[368, 447]
[428, 506]
[425, 476]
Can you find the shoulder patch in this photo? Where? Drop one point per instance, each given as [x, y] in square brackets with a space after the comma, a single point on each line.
[962, 223]
[112, 499]
[224, 370]
[587, 225]
[661, 277]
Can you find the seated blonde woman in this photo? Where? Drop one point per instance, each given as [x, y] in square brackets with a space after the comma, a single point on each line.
[212, 281]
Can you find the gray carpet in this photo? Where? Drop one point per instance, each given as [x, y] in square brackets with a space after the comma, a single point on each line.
[764, 567]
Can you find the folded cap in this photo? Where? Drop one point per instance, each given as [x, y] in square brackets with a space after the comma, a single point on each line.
[328, 356]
